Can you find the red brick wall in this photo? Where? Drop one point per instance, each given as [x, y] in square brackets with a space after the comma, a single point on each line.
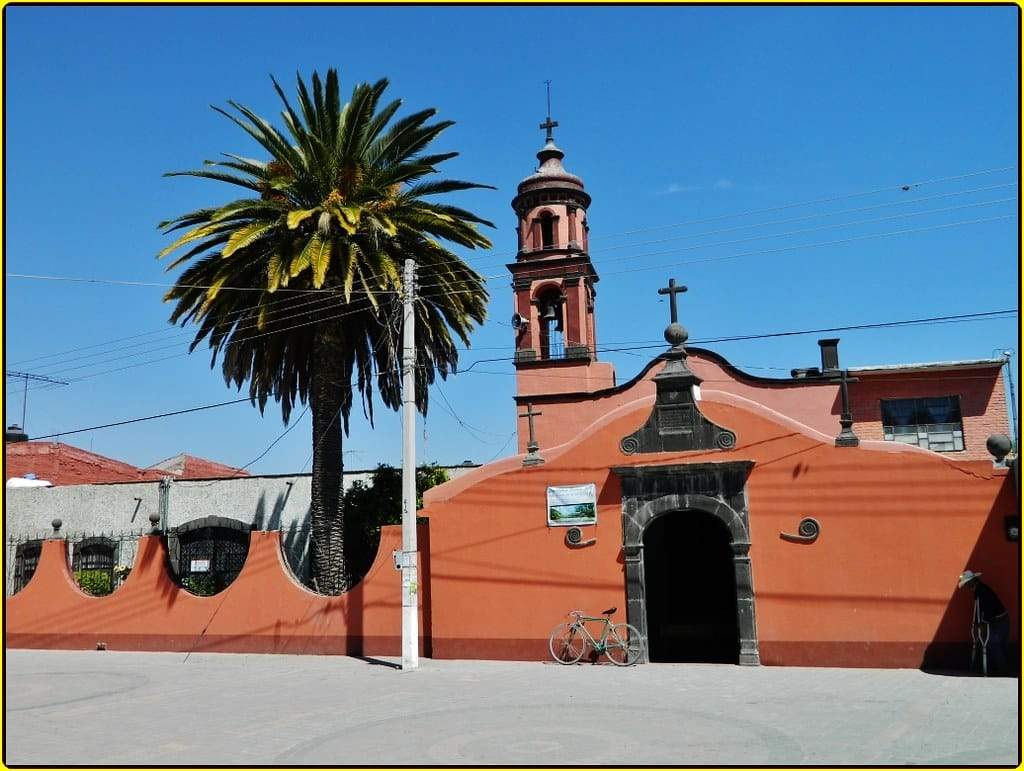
[982, 403]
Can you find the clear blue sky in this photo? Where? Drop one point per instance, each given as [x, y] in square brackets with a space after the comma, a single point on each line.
[669, 114]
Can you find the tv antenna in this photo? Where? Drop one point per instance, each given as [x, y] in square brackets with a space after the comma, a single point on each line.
[26, 376]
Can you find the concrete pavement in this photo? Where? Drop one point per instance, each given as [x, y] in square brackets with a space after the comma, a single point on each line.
[103, 708]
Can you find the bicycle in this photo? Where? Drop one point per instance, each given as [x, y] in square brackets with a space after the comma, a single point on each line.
[621, 643]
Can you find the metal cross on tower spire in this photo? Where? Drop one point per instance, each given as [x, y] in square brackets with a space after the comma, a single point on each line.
[549, 124]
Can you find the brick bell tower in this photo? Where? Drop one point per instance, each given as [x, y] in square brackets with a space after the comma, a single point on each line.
[553, 281]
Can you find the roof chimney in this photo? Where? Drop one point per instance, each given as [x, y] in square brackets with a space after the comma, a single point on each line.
[15, 434]
[829, 356]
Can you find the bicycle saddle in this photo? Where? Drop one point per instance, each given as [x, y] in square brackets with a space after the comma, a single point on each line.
[609, 611]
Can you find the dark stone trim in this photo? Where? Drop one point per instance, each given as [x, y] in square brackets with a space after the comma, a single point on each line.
[703, 353]
[212, 521]
[718, 489]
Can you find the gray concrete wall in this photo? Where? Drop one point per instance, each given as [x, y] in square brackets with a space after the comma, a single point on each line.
[265, 502]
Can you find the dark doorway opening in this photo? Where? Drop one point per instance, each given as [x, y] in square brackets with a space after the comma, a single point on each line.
[690, 581]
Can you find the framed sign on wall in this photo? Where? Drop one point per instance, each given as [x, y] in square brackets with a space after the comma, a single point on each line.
[572, 505]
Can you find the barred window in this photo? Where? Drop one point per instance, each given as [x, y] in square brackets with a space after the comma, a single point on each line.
[93, 564]
[932, 422]
[26, 559]
[208, 554]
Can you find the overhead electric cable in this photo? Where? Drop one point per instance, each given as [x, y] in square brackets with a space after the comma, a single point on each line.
[893, 188]
[653, 228]
[957, 318]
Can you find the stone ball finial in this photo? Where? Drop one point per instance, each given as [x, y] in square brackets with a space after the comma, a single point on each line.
[56, 524]
[154, 520]
[999, 446]
[676, 334]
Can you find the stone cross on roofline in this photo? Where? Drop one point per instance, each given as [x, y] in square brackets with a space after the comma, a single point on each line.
[672, 290]
[675, 333]
[533, 457]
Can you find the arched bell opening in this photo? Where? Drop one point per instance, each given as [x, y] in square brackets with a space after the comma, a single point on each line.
[690, 589]
[547, 230]
[207, 554]
[551, 322]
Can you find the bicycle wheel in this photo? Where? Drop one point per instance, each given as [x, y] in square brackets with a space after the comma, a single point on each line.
[566, 644]
[624, 645]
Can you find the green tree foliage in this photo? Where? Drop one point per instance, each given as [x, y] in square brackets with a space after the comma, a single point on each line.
[296, 286]
[369, 506]
[95, 582]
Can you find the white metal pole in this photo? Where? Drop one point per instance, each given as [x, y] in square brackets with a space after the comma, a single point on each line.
[410, 585]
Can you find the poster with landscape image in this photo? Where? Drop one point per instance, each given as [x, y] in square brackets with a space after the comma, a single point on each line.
[570, 505]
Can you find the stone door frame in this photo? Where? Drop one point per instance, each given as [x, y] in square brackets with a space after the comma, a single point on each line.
[718, 489]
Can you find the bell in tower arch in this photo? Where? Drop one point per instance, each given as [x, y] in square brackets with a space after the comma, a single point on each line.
[549, 303]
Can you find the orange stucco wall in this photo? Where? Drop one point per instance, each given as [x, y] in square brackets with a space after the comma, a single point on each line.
[264, 610]
[566, 418]
[898, 525]
[816, 405]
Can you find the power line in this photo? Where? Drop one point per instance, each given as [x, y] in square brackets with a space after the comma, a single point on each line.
[604, 260]
[734, 338]
[653, 228]
[427, 296]
[830, 199]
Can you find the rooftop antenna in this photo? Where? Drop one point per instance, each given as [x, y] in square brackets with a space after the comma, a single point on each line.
[29, 376]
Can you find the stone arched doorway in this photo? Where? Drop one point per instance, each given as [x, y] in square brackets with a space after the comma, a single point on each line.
[690, 589]
[712, 493]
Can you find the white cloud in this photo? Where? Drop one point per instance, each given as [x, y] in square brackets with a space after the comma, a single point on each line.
[675, 187]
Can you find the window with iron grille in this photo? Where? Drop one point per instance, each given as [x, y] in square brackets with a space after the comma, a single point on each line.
[932, 422]
[26, 560]
[208, 554]
[93, 564]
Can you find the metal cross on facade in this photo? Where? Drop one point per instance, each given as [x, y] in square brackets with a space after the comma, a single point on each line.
[549, 124]
[532, 454]
[672, 290]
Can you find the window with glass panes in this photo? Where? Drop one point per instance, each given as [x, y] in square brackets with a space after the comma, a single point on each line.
[932, 422]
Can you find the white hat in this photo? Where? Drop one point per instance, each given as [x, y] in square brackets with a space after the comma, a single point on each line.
[965, 578]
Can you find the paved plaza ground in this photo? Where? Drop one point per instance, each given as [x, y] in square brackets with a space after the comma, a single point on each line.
[102, 708]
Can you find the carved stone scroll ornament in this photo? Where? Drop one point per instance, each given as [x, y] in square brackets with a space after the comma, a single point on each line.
[807, 532]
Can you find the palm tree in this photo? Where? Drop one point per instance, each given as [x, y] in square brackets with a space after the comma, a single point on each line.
[297, 286]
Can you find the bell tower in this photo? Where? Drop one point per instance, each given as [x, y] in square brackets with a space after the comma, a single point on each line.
[554, 282]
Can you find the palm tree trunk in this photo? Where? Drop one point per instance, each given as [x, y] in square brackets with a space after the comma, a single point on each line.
[327, 553]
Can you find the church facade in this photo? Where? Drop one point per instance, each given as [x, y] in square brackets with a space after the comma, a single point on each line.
[820, 519]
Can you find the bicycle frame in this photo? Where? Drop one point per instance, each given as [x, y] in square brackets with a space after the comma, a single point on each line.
[581, 624]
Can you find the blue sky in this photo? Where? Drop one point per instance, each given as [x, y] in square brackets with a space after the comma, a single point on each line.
[671, 115]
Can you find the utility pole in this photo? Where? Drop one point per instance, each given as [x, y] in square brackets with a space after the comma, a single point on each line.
[410, 585]
[24, 397]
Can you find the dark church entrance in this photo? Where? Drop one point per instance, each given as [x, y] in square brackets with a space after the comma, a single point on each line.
[690, 584]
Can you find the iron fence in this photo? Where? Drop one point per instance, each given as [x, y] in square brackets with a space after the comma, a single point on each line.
[100, 560]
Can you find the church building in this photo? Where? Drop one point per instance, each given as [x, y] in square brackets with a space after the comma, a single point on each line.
[819, 519]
